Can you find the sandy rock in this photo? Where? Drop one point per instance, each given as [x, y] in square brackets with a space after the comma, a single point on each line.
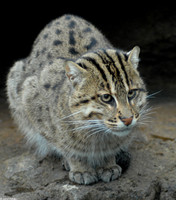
[148, 177]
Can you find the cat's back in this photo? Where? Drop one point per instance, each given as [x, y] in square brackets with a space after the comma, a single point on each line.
[68, 36]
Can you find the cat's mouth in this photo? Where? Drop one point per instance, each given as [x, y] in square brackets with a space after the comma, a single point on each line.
[119, 128]
[94, 127]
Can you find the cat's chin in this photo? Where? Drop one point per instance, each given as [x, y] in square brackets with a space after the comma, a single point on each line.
[121, 133]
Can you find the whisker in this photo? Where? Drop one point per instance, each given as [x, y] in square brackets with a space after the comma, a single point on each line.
[144, 122]
[145, 115]
[153, 94]
[99, 130]
[84, 121]
[69, 115]
[146, 109]
[107, 131]
[84, 127]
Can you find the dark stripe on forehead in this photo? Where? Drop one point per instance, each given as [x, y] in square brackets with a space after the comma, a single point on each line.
[107, 63]
[94, 62]
[123, 68]
[112, 61]
[104, 60]
[126, 57]
[82, 65]
[119, 79]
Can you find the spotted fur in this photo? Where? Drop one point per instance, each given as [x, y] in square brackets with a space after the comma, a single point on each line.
[78, 96]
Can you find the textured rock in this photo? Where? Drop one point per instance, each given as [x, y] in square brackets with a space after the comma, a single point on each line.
[151, 175]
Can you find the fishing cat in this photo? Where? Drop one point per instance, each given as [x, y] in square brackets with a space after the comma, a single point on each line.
[78, 96]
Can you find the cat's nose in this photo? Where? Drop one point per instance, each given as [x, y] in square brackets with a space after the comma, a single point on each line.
[126, 121]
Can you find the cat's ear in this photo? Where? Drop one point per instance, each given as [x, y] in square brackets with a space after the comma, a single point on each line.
[74, 72]
[133, 56]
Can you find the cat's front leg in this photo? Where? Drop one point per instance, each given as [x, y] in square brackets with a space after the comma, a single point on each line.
[80, 172]
[111, 171]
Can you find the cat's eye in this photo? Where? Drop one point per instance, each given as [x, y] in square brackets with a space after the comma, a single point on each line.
[132, 94]
[107, 98]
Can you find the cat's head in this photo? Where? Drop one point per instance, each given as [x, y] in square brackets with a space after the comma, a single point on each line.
[108, 92]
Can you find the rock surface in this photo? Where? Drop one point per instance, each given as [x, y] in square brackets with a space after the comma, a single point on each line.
[151, 175]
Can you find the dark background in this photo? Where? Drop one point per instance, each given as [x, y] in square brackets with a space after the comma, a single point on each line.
[125, 24]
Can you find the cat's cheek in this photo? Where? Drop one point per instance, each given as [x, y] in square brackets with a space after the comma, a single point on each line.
[134, 122]
[90, 112]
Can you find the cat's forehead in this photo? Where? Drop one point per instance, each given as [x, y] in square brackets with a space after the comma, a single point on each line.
[106, 56]
[111, 68]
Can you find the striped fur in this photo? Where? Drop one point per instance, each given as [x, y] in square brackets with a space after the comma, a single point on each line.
[78, 96]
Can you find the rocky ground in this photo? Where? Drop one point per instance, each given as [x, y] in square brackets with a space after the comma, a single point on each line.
[151, 175]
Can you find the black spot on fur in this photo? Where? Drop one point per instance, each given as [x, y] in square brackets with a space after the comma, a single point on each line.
[72, 40]
[87, 30]
[37, 54]
[45, 36]
[39, 120]
[57, 42]
[43, 50]
[49, 56]
[47, 86]
[50, 62]
[72, 24]
[41, 64]
[73, 51]
[92, 43]
[67, 17]
[58, 31]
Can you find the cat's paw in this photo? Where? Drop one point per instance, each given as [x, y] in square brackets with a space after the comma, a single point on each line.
[85, 178]
[110, 173]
